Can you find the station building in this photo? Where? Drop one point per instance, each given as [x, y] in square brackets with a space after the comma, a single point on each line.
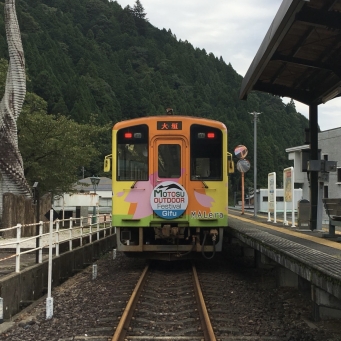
[329, 142]
[84, 197]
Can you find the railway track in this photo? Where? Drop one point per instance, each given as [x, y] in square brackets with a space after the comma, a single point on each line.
[243, 303]
[166, 305]
[165, 301]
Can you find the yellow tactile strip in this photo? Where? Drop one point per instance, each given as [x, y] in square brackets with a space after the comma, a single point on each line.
[319, 240]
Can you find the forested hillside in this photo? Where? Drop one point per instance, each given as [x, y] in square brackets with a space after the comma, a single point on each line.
[86, 57]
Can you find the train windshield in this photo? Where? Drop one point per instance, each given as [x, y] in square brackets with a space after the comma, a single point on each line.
[169, 161]
[132, 153]
[206, 153]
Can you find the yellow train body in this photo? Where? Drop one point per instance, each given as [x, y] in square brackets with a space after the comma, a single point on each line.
[170, 186]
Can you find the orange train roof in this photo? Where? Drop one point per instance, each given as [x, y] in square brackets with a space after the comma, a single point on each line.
[187, 121]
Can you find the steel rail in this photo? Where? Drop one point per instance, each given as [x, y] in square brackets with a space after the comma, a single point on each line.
[205, 319]
[122, 327]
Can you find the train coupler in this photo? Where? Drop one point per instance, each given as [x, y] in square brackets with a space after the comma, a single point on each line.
[214, 234]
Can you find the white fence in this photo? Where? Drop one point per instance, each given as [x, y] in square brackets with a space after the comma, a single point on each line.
[95, 224]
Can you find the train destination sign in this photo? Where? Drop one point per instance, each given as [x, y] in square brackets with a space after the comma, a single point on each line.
[169, 125]
[169, 200]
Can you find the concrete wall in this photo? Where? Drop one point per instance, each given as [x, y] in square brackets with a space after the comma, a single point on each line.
[20, 289]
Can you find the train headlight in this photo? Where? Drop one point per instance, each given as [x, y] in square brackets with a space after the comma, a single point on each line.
[209, 135]
[129, 135]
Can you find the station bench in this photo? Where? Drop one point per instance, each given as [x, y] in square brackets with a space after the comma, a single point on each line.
[333, 209]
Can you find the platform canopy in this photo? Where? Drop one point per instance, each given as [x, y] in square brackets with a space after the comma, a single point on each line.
[300, 56]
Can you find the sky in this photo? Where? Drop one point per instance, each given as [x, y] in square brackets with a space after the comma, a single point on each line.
[233, 30]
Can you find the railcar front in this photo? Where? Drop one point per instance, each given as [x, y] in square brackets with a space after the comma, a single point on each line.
[169, 184]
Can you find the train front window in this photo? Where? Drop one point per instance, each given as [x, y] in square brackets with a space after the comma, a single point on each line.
[132, 153]
[169, 161]
[206, 153]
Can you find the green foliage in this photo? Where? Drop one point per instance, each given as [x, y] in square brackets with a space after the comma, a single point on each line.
[139, 10]
[86, 57]
[55, 148]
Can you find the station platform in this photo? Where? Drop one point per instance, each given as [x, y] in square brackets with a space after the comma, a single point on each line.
[286, 231]
[306, 257]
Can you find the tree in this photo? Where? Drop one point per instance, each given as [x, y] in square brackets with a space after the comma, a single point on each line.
[140, 17]
[290, 107]
[64, 146]
[128, 23]
[139, 10]
[134, 69]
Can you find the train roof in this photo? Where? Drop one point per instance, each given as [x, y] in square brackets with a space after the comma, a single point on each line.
[183, 118]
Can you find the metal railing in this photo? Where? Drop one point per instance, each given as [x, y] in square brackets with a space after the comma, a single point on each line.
[24, 245]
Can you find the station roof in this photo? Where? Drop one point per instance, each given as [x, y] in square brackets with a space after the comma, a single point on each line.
[300, 56]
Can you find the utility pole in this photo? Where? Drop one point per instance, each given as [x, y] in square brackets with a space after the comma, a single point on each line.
[255, 118]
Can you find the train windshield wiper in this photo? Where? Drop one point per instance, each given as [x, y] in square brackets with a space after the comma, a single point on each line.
[203, 182]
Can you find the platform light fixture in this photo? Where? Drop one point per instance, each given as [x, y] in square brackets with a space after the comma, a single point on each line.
[95, 181]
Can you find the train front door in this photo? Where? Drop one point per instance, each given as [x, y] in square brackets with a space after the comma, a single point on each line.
[169, 160]
[169, 198]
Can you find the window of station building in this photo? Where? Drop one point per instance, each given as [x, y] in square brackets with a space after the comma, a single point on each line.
[132, 153]
[265, 199]
[325, 192]
[339, 175]
[206, 146]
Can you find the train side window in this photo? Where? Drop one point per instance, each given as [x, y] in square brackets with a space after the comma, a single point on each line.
[132, 153]
[206, 153]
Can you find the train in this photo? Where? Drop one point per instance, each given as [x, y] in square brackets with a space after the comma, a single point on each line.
[169, 186]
